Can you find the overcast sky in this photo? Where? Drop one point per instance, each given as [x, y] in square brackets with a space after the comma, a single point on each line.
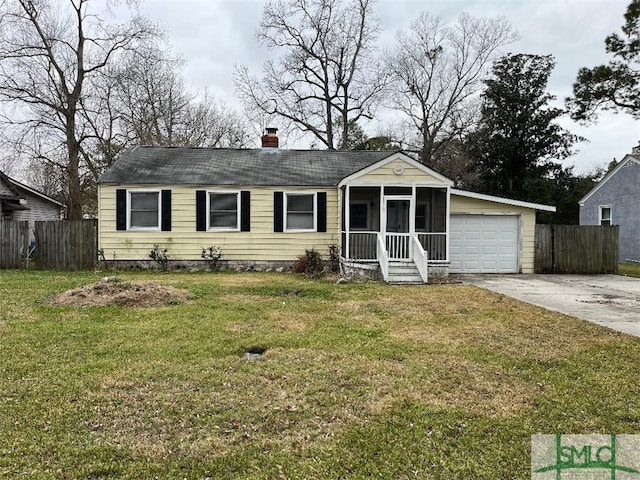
[214, 35]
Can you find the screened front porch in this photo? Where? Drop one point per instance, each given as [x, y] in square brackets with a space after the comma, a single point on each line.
[390, 217]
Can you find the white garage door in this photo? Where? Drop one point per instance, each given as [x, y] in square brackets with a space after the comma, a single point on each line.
[484, 244]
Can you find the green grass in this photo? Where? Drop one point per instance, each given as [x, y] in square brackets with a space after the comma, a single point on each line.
[358, 381]
[629, 270]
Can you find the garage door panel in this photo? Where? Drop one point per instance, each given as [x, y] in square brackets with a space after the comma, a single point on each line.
[484, 244]
[470, 250]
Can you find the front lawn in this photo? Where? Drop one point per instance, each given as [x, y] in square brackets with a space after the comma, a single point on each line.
[357, 381]
[629, 269]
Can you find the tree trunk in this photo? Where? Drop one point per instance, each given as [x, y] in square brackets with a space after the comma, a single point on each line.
[74, 198]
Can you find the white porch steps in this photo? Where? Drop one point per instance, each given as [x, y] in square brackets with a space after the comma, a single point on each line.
[404, 273]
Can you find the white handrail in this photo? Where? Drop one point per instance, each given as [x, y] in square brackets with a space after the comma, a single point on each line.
[420, 258]
[383, 258]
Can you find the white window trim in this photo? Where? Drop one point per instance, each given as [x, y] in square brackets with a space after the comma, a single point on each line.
[361, 202]
[223, 229]
[600, 207]
[139, 229]
[285, 212]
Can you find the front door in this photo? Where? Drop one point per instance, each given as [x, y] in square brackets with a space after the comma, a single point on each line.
[398, 227]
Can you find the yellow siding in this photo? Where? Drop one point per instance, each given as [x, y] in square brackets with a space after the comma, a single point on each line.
[385, 175]
[185, 243]
[528, 222]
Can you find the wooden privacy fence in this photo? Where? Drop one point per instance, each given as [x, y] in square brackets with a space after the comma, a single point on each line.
[66, 245]
[14, 243]
[576, 249]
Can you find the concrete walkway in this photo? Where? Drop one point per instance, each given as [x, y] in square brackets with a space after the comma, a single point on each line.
[609, 300]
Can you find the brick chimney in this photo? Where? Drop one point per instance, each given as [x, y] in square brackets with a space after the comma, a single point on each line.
[270, 140]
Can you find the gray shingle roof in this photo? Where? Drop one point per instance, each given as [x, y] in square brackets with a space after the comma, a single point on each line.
[260, 167]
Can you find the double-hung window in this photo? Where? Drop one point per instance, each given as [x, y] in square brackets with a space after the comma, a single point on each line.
[605, 215]
[144, 210]
[300, 211]
[223, 211]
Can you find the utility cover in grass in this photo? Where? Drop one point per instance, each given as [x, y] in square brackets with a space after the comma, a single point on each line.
[114, 291]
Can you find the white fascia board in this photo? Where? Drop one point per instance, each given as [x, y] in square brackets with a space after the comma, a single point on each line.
[506, 201]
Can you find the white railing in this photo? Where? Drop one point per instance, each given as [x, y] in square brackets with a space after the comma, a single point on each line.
[383, 259]
[398, 246]
[420, 258]
[435, 244]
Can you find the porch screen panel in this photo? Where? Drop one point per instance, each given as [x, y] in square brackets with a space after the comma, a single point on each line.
[359, 216]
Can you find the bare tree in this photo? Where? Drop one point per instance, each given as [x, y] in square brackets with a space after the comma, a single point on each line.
[50, 54]
[437, 72]
[156, 108]
[327, 71]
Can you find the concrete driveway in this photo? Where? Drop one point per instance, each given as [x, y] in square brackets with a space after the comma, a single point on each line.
[609, 300]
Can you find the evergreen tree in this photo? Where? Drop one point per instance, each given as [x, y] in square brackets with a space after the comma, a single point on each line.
[616, 85]
[518, 139]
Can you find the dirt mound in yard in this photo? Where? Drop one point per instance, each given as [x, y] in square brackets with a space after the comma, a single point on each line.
[113, 291]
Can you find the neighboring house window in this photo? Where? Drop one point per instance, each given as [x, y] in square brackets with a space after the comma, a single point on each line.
[144, 210]
[223, 210]
[359, 216]
[605, 215]
[300, 211]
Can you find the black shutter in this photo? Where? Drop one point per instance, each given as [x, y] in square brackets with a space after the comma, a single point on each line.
[121, 209]
[165, 223]
[245, 211]
[322, 211]
[201, 210]
[278, 209]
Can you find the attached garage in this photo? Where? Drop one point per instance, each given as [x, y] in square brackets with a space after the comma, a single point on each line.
[484, 243]
[491, 234]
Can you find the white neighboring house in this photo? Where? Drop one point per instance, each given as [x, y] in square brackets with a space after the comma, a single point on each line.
[19, 202]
